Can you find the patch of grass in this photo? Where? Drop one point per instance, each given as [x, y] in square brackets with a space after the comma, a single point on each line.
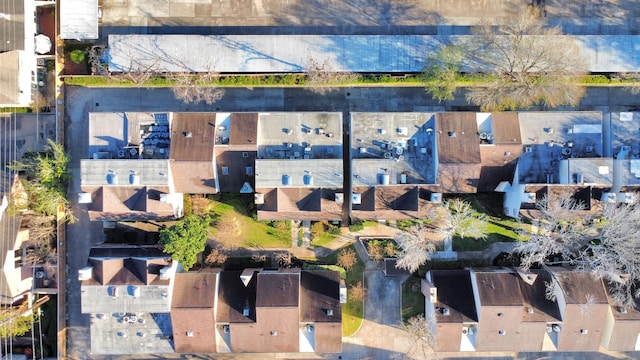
[341, 270]
[238, 213]
[323, 239]
[352, 312]
[412, 298]
[15, 110]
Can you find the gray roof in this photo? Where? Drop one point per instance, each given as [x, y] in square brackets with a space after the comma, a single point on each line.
[9, 77]
[282, 135]
[12, 29]
[150, 171]
[150, 334]
[550, 137]
[377, 134]
[98, 299]
[273, 173]
[79, 19]
[290, 53]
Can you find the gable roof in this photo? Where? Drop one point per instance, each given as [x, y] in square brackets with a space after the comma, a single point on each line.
[455, 293]
[129, 203]
[580, 288]
[392, 202]
[299, 203]
[278, 289]
[533, 297]
[234, 297]
[506, 128]
[194, 290]
[320, 296]
[498, 289]
[194, 177]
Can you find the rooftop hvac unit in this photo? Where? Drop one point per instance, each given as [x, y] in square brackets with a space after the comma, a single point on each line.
[384, 179]
[84, 198]
[165, 273]
[113, 291]
[528, 149]
[85, 273]
[433, 295]
[135, 291]
[403, 178]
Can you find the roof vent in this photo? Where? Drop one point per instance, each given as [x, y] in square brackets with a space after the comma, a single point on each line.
[339, 197]
[165, 273]
[622, 310]
[445, 311]
[226, 329]
[274, 333]
[309, 328]
[556, 328]
[134, 179]
[500, 314]
[584, 331]
[190, 333]
[329, 312]
[307, 179]
[258, 198]
[451, 133]
[245, 312]
[530, 311]
[112, 178]
[188, 134]
[286, 180]
[113, 291]
[502, 332]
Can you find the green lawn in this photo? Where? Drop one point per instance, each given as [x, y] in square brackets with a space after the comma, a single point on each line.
[234, 214]
[352, 312]
[323, 239]
[412, 298]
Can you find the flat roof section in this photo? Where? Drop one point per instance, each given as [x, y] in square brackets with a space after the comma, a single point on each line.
[393, 148]
[299, 173]
[142, 172]
[79, 19]
[354, 53]
[625, 127]
[300, 135]
[549, 137]
[149, 334]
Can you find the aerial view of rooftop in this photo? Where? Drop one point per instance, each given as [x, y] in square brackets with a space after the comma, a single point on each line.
[313, 179]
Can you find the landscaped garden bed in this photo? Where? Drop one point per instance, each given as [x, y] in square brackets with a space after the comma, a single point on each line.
[380, 248]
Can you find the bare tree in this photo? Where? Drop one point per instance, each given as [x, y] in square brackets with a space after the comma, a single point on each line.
[357, 292]
[284, 259]
[322, 78]
[530, 63]
[607, 246]
[417, 246]
[216, 257]
[195, 88]
[347, 258]
[419, 330]
[459, 218]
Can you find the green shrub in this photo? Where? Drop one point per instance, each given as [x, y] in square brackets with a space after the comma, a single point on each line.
[77, 56]
[357, 226]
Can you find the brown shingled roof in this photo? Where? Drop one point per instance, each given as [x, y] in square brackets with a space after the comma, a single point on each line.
[506, 128]
[498, 289]
[279, 289]
[193, 177]
[244, 129]
[193, 136]
[457, 138]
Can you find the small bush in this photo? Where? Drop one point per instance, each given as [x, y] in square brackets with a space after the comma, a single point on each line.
[77, 56]
[357, 226]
